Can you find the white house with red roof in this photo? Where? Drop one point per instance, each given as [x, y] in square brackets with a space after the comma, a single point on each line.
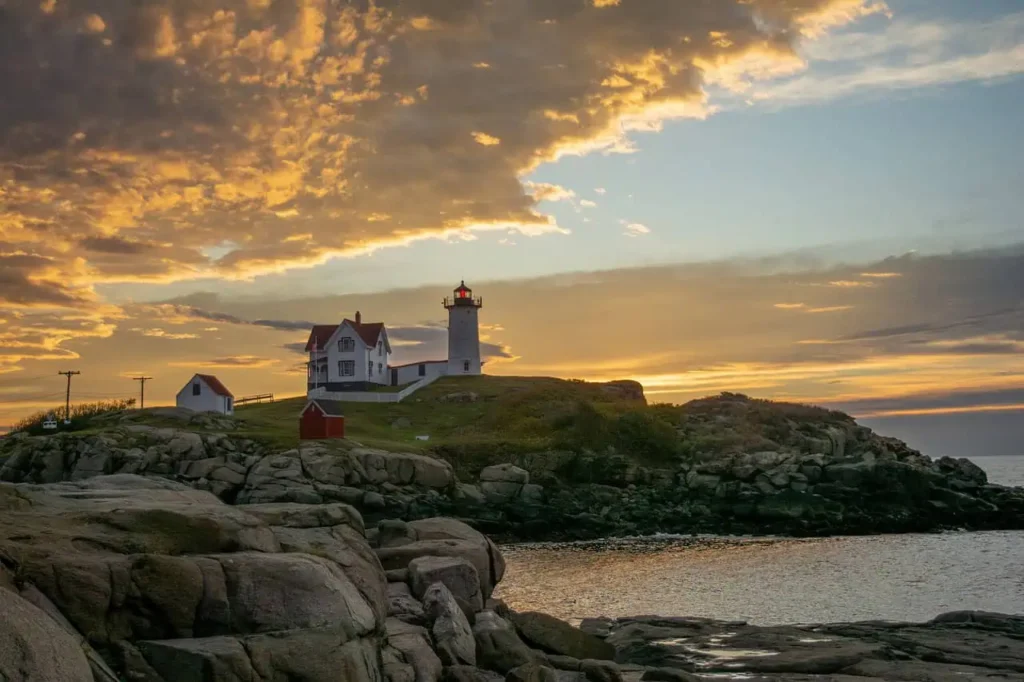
[351, 356]
[206, 393]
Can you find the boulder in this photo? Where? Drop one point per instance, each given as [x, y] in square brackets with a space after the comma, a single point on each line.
[498, 647]
[505, 473]
[532, 672]
[558, 637]
[34, 648]
[458, 575]
[466, 673]
[446, 538]
[169, 583]
[600, 671]
[453, 637]
[413, 643]
[403, 606]
[503, 482]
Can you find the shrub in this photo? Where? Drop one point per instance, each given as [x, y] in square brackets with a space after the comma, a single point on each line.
[80, 415]
[644, 435]
[585, 428]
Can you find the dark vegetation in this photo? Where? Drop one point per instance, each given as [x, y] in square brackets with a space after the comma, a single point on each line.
[82, 415]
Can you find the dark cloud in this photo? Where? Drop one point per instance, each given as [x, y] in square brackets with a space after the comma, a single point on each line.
[298, 347]
[240, 361]
[213, 316]
[20, 283]
[114, 245]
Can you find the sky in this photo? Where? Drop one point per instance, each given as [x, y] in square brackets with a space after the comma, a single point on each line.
[811, 200]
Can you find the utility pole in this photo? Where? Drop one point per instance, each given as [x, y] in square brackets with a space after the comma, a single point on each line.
[142, 390]
[67, 396]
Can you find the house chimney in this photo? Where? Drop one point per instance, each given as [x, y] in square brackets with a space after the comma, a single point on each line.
[359, 317]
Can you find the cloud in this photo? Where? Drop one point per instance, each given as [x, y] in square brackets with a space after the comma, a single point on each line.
[227, 362]
[635, 229]
[851, 284]
[141, 137]
[905, 55]
[184, 312]
[600, 190]
[790, 306]
[163, 334]
[829, 309]
[587, 203]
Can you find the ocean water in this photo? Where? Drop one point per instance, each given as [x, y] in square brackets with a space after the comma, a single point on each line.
[775, 581]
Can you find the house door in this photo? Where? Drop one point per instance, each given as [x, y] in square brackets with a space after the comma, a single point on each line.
[394, 377]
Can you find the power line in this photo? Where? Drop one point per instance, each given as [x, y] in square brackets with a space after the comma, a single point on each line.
[67, 395]
[142, 390]
[40, 396]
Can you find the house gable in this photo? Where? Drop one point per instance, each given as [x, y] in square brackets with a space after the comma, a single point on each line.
[320, 335]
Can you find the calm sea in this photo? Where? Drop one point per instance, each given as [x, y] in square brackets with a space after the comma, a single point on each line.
[894, 577]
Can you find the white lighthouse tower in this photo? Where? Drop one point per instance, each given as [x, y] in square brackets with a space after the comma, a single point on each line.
[463, 332]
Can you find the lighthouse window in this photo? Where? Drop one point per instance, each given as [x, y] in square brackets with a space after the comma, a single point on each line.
[465, 365]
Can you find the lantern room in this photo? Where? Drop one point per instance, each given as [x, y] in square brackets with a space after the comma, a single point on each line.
[463, 296]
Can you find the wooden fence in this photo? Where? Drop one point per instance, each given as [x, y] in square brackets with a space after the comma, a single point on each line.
[266, 397]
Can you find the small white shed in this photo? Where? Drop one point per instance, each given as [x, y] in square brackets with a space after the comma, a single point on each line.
[206, 393]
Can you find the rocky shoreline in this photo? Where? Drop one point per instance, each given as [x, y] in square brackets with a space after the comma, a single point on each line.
[833, 479]
[125, 578]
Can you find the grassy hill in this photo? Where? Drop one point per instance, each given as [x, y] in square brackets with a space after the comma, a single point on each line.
[483, 411]
[534, 421]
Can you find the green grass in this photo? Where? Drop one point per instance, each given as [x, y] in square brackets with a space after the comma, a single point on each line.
[546, 424]
[509, 412]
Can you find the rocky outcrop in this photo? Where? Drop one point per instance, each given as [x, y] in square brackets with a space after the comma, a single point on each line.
[168, 583]
[749, 467]
[955, 646]
[126, 578]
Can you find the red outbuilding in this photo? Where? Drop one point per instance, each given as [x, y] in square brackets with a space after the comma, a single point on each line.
[321, 419]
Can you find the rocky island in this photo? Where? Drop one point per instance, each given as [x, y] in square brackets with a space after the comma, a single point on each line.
[544, 459]
[169, 546]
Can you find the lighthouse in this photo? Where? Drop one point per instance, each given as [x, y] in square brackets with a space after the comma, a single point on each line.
[463, 331]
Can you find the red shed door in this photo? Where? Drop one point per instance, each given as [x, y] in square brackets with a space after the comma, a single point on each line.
[312, 424]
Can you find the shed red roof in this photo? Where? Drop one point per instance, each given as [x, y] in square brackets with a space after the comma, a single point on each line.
[215, 385]
[369, 332]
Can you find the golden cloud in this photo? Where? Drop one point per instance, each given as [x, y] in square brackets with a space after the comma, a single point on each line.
[254, 123]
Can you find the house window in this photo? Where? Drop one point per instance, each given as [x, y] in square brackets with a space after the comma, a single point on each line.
[380, 347]
[196, 388]
[346, 344]
[227, 404]
[380, 368]
[465, 365]
[347, 368]
[369, 368]
[423, 370]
